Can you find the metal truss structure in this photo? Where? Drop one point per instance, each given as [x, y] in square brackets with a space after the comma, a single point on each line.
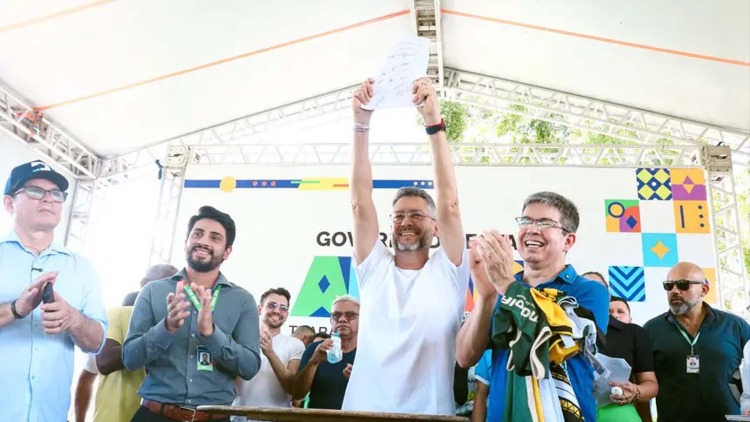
[656, 140]
[734, 285]
[426, 24]
[28, 126]
[591, 115]
[482, 154]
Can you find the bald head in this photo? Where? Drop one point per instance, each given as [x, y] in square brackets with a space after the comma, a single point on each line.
[693, 280]
[157, 272]
[686, 271]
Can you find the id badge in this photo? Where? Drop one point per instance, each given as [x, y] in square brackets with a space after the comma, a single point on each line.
[203, 359]
[693, 364]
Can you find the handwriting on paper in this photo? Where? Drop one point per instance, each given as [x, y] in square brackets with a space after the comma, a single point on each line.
[406, 63]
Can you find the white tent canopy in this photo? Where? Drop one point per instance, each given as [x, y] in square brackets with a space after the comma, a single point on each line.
[122, 75]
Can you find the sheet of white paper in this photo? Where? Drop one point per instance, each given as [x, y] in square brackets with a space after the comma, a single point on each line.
[406, 63]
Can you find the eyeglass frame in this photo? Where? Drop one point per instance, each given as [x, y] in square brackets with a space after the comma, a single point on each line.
[535, 222]
[410, 214]
[678, 283]
[25, 190]
[350, 315]
[274, 305]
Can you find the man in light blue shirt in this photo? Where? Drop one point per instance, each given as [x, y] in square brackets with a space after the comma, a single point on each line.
[37, 339]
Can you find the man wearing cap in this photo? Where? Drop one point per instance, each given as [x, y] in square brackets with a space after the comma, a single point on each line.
[697, 349]
[39, 339]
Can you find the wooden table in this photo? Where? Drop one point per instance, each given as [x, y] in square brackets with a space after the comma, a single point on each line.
[320, 415]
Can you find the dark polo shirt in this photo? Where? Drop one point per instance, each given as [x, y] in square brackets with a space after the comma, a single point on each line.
[705, 396]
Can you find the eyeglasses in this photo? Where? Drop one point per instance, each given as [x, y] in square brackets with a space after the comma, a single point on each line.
[38, 193]
[542, 223]
[274, 306]
[681, 284]
[415, 216]
[336, 316]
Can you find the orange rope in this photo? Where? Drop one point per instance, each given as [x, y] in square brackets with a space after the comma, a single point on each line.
[597, 38]
[222, 61]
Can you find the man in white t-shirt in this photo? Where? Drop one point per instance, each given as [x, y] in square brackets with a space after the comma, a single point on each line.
[280, 357]
[411, 302]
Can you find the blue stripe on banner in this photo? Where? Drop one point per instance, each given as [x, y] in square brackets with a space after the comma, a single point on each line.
[295, 183]
[395, 184]
[278, 184]
[202, 183]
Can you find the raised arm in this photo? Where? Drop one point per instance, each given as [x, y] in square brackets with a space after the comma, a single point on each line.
[363, 208]
[450, 228]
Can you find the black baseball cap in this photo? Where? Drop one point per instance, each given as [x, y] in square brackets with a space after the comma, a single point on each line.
[36, 169]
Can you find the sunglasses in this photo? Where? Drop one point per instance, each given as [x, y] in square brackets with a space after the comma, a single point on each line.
[681, 284]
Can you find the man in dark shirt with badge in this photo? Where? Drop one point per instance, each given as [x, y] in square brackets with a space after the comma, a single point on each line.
[194, 332]
[697, 349]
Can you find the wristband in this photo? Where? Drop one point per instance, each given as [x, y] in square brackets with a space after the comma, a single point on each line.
[431, 130]
[13, 310]
[359, 127]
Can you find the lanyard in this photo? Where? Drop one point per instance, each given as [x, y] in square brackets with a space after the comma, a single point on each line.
[691, 343]
[193, 298]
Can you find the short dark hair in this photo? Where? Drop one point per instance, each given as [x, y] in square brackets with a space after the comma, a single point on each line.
[129, 299]
[596, 273]
[619, 299]
[277, 291]
[213, 214]
[568, 212]
[305, 329]
[321, 335]
[417, 193]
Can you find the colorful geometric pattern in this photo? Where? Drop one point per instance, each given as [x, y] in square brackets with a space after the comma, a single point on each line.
[691, 217]
[654, 184]
[328, 278]
[471, 295]
[659, 249]
[628, 283]
[228, 184]
[688, 184]
[622, 215]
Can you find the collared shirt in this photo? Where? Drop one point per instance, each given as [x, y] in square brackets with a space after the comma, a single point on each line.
[37, 375]
[590, 295]
[704, 396]
[172, 374]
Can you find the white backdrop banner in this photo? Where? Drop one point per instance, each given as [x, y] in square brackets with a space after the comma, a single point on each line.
[294, 225]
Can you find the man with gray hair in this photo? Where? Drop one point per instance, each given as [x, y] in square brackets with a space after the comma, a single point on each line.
[326, 382]
[697, 350]
[547, 231]
[410, 298]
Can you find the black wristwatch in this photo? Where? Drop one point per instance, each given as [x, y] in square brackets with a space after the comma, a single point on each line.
[431, 130]
[13, 310]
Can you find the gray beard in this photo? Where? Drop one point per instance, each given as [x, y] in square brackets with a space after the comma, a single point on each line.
[412, 247]
[684, 307]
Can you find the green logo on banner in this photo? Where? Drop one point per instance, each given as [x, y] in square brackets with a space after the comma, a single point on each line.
[328, 278]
